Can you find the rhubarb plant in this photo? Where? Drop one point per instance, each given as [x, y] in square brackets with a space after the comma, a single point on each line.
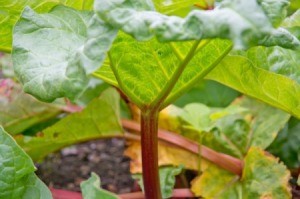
[154, 52]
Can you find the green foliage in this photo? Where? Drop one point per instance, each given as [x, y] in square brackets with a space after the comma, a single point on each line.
[144, 69]
[167, 179]
[274, 89]
[175, 7]
[19, 111]
[276, 10]
[286, 145]
[276, 59]
[153, 74]
[18, 180]
[208, 92]
[91, 189]
[233, 20]
[236, 128]
[263, 177]
[10, 11]
[62, 34]
[100, 119]
[295, 5]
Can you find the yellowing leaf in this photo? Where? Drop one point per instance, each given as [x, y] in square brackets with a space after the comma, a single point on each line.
[263, 178]
[167, 155]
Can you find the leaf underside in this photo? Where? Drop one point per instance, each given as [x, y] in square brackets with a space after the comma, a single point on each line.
[51, 55]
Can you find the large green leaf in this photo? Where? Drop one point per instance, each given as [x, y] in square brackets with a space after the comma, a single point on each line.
[276, 10]
[10, 11]
[274, 89]
[100, 119]
[18, 180]
[255, 75]
[263, 177]
[233, 20]
[166, 179]
[19, 111]
[286, 145]
[51, 56]
[91, 189]
[276, 59]
[144, 69]
[233, 130]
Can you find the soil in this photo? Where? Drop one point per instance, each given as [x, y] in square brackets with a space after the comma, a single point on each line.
[69, 167]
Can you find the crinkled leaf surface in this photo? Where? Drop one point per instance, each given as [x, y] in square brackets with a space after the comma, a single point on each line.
[263, 177]
[99, 119]
[18, 180]
[51, 56]
[276, 59]
[91, 189]
[232, 20]
[233, 130]
[255, 75]
[286, 145]
[143, 69]
[276, 10]
[19, 111]
[167, 179]
[10, 11]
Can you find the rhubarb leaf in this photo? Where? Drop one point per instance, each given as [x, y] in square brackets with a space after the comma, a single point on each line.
[263, 177]
[17, 172]
[236, 128]
[91, 189]
[100, 119]
[145, 76]
[277, 90]
[233, 20]
[10, 11]
[276, 10]
[50, 54]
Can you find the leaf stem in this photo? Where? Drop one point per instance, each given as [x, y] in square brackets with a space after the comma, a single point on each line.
[157, 103]
[149, 139]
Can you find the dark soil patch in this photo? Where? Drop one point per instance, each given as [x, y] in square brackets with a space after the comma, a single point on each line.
[68, 168]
